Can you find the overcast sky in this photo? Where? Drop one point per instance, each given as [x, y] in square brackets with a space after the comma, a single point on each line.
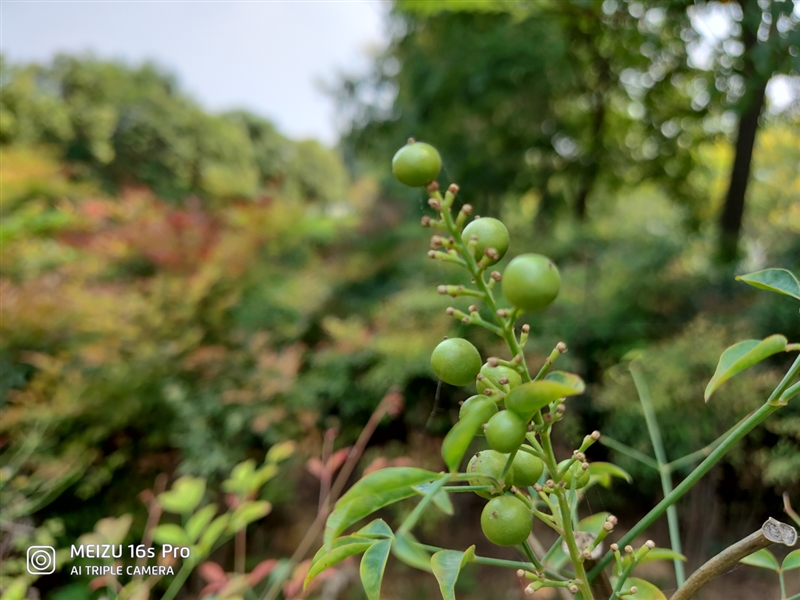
[266, 56]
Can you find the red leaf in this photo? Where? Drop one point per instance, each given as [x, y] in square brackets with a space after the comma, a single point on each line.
[337, 460]
[261, 570]
[212, 572]
[314, 466]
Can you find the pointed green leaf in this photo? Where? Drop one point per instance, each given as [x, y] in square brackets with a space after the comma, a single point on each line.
[792, 561]
[376, 490]
[441, 499]
[169, 533]
[407, 549]
[604, 471]
[741, 356]
[660, 554]
[185, 495]
[647, 591]
[572, 384]
[248, 512]
[376, 529]
[213, 533]
[458, 439]
[372, 567]
[340, 549]
[446, 565]
[281, 451]
[763, 559]
[594, 523]
[199, 520]
[114, 530]
[780, 281]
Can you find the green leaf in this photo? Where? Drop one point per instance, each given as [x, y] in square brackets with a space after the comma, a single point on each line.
[458, 439]
[407, 549]
[441, 499]
[446, 565]
[242, 478]
[647, 591]
[373, 492]
[199, 520]
[248, 512]
[763, 559]
[185, 495]
[604, 471]
[280, 452]
[376, 529]
[213, 533]
[169, 533]
[741, 356]
[594, 523]
[340, 549]
[661, 554]
[372, 567]
[780, 281]
[571, 384]
[114, 530]
[792, 561]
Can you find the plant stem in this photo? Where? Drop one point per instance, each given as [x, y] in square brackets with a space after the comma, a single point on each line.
[628, 451]
[692, 457]
[757, 417]
[566, 519]
[412, 519]
[180, 578]
[661, 458]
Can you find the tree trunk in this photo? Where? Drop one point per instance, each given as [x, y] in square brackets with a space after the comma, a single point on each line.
[730, 221]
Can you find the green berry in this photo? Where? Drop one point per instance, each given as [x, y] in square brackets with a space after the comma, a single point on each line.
[506, 521]
[505, 431]
[526, 469]
[574, 471]
[491, 233]
[495, 374]
[489, 463]
[416, 164]
[480, 403]
[531, 282]
[456, 361]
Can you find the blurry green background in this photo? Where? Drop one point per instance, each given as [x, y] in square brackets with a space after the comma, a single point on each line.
[183, 289]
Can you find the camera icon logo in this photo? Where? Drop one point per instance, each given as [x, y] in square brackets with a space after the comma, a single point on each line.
[41, 560]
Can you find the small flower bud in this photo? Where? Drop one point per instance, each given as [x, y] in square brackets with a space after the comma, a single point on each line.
[496, 275]
[547, 417]
[586, 553]
[608, 526]
[629, 549]
[466, 209]
[434, 204]
[503, 381]
[492, 253]
[573, 588]
[432, 186]
[442, 289]
[595, 435]
[561, 347]
[580, 456]
[614, 547]
[611, 519]
[436, 242]
[492, 362]
[432, 254]
[529, 591]
[426, 221]
[473, 308]
[502, 313]
[650, 544]
[634, 589]
[453, 188]
[450, 311]
[537, 487]
[466, 320]
[549, 483]
[584, 466]
[520, 573]
[526, 328]
[488, 392]
[561, 409]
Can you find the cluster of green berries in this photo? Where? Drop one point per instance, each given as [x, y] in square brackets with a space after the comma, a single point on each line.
[505, 405]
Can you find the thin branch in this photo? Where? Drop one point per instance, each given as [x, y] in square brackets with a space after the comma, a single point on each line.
[771, 532]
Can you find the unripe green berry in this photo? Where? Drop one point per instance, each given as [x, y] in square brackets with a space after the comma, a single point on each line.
[495, 374]
[456, 361]
[416, 164]
[491, 233]
[526, 469]
[488, 463]
[531, 282]
[506, 521]
[505, 431]
[574, 471]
